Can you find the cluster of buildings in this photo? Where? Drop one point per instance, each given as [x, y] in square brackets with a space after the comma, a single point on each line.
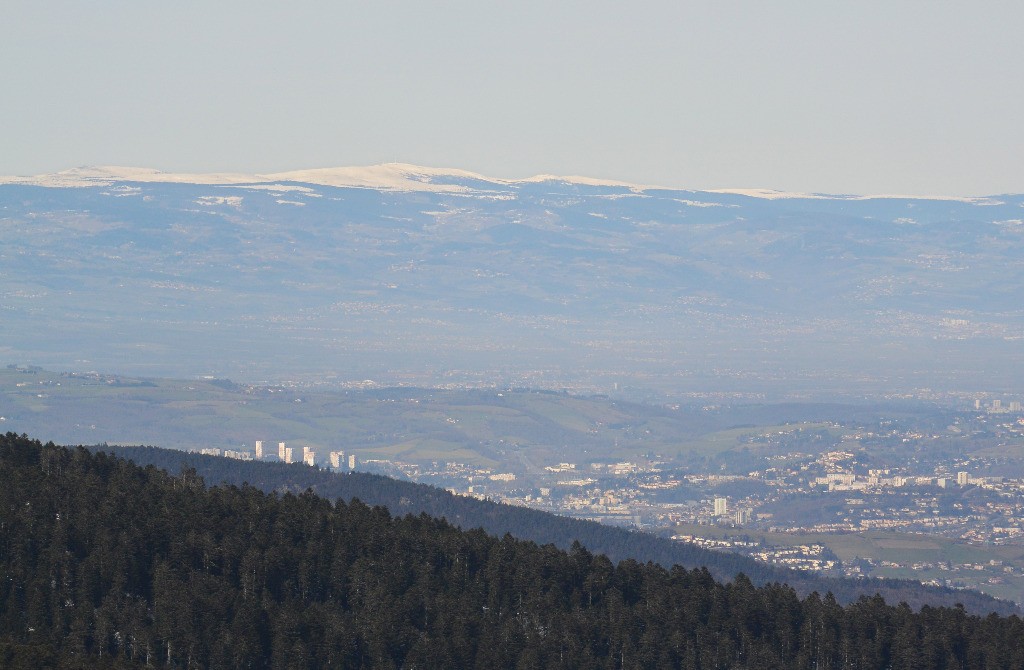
[881, 479]
[997, 406]
[286, 454]
[812, 556]
[740, 516]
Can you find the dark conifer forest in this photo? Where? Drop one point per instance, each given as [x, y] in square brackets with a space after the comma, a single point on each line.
[108, 564]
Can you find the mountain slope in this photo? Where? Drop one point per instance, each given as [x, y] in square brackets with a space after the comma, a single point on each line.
[403, 274]
[106, 562]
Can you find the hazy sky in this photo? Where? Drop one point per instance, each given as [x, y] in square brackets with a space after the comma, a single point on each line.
[854, 97]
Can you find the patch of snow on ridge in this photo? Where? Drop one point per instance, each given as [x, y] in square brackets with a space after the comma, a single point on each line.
[985, 201]
[582, 181]
[700, 203]
[282, 188]
[108, 175]
[769, 194]
[390, 176]
[149, 175]
[212, 200]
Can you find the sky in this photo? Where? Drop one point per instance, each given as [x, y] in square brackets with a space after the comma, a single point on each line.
[863, 97]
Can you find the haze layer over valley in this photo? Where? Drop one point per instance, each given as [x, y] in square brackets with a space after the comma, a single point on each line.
[402, 275]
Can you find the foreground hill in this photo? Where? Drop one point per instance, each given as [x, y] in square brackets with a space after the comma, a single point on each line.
[541, 527]
[108, 564]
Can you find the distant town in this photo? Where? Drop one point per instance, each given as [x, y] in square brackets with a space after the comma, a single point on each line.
[794, 495]
[928, 488]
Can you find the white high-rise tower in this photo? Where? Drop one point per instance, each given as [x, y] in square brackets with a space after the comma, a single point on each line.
[721, 506]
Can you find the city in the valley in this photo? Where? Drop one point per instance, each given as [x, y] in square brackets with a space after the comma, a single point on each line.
[929, 487]
[826, 498]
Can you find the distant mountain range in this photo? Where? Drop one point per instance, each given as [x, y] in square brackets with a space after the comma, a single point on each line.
[407, 275]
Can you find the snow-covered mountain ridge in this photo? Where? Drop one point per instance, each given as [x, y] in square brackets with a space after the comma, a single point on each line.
[400, 177]
[388, 176]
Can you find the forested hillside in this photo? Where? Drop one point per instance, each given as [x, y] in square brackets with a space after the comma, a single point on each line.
[108, 564]
[408, 498]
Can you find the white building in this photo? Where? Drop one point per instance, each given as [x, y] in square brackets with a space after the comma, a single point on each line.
[309, 457]
[337, 459]
[259, 450]
[281, 452]
[289, 455]
[721, 506]
[352, 462]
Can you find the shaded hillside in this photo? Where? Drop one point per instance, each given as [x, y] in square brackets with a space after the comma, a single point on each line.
[544, 528]
[110, 564]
